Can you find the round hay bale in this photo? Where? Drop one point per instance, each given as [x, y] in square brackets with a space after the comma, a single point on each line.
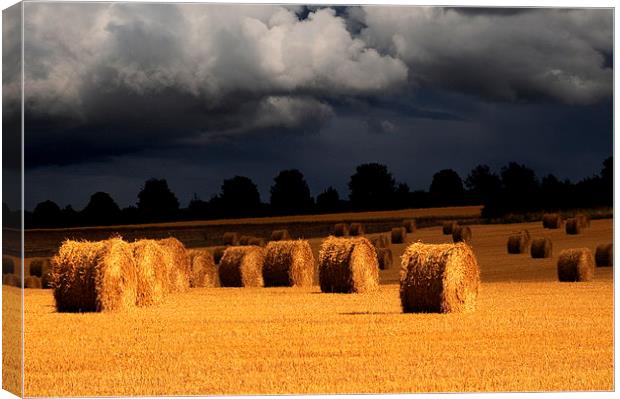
[575, 264]
[461, 234]
[573, 226]
[230, 238]
[218, 252]
[385, 258]
[280, 235]
[289, 263]
[398, 235]
[604, 255]
[36, 267]
[518, 242]
[409, 225]
[245, 240]
[357, 229]
[348, 265]
[177, 264]
[242, 266]
[94, 276]
[11, 280]
[541, 248]
[8, 265]
[442, 278]
[341, 229]
[259, 242]
[448, 226]
[552, 221]
[381, 241]
[32, 282]
[583, 220]
[204, 271]
[151, 272]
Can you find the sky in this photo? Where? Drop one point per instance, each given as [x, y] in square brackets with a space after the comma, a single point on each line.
[116, 93]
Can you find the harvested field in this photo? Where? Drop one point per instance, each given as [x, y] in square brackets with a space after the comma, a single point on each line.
[203, 342]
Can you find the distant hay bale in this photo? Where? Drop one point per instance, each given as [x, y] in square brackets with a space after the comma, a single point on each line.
[280, 235]
[245, 240]
[380, 241]
[32, 282]
[385, 258]
[461, 234]
[8, 265]
[448, 227]
[552, 221]
[573, 226]
[259, 242]
[604, 255]
[152, 272]
[242, 266]
[94, 276]
[348, 265]
[230, 238]
[218, 252]
[203, 269]
[289, 263]
[36, 267]
[442, 278]
[11, 280]
[583, 220]
[341, 229]
[409, 225]
[398, 235]
[575, 264]
[541, 248]
[177, 264]
[357, 229]
[518, 242]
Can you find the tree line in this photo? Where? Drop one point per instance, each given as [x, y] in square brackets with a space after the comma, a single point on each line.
[515, 189]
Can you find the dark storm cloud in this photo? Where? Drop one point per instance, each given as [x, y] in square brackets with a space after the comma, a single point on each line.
[197, 93]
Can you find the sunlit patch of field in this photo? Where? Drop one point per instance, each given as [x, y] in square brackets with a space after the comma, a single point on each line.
[529, 333]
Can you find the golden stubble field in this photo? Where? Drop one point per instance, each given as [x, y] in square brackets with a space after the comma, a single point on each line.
[530, 333]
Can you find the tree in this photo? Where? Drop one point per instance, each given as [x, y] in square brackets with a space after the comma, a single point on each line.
[607, 182]
[402, 196]
[70, 217]
[371, 187]
[101, 210]
[447, 188]
[239, 197]
[520, 188]
[47, 214]
[328, 201]
[290, 193]
[482, 184]
[156, 202]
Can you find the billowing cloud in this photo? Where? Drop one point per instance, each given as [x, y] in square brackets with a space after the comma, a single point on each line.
[505, 54]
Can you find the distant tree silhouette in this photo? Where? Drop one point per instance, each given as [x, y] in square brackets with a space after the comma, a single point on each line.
[482, 184]
[47, 214]
[447, 188]
[239, 197]
[402, 196]
[101, 210]
[156, 202]
[607, 182]
[520, 188]
[555, 194]
[70, 216]
[328, 201]
[290, 193]
[130, 215]
[10, 218]
[371, 187]
[199, 209]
